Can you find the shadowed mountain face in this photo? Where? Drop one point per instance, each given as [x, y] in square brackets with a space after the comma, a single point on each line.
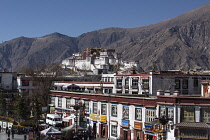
[178, 43]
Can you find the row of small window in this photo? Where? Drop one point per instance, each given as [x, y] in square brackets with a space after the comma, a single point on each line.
[150, 113]
[188, 115]
[183, 83]
[125, 111]
[27, 83]
[107, 79]
[68, 102]
[135, 82]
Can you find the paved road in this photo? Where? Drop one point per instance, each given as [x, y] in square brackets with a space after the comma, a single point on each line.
[4, 136]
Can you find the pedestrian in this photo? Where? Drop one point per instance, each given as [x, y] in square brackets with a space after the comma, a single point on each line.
[89, 135]
[6, 129]
[13, 132]
[25, 137]
[0, 128]
[85, 135]
[8, 132]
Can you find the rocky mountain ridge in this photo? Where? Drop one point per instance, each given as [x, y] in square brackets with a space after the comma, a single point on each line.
[178, 43]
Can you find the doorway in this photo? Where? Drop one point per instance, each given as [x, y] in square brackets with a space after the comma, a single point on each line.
[138, 135]
[94, 129]
[103, 130]
[125, 134]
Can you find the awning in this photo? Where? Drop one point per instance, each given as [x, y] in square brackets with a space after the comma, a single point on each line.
[193, 125]
[148, 133]
[69, 118]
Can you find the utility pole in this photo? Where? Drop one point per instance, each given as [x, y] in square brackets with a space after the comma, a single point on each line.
[77, 108]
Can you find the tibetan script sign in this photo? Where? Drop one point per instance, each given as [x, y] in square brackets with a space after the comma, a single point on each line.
[138, 125]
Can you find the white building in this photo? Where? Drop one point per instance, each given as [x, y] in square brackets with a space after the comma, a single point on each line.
[24, 84]
[95, 59]
[118, 106]
[8, 81]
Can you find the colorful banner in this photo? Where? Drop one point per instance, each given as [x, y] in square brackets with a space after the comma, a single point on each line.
[103, 118]
[148, 126]
[125, 123]
[95, 116]
[138, 125]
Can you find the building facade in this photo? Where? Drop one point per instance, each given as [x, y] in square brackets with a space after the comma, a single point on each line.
[127, 107]
[93, 59]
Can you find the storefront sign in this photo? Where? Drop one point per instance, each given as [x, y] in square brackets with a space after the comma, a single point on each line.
[10, 125]
[103, 118]
[125, 123]
[95, 116]
[137, 125]
[52, 108]
[148, 126]
[4, 124]
[44, 109]
[158, 130]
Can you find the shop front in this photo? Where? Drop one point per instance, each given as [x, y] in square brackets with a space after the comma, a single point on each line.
[192, 131]
[125, 132]
[138, 133]
[95, 118]
[149, 133]
[103, 127]
[68, 120]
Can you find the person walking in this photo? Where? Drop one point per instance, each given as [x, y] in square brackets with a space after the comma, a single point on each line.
[6, 129]
[13, 132]
[0, 128]
[8, 132]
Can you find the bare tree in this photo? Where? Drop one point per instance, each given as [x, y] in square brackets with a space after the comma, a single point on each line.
[42, 77]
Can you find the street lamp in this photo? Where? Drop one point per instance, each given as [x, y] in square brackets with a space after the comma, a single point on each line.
[77, 108]
[163, 123]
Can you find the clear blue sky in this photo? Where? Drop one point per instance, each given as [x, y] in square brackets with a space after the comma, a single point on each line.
[36, 18]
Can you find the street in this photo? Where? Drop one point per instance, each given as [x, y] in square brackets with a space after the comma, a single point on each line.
[4, 136]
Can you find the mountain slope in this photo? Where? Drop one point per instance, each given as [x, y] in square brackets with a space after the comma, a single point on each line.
[178, 43]
[24, 51]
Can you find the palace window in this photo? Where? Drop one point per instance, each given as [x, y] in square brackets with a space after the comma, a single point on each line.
[135, 81]
[59, 102]
[185, 83]
[177, 83]
[145, 83]
[125, 113]
[114, 110]
[188, 114]
[119, 82]
[195, 82]
[52, 100]
[95, 107]
[68, 102]
[138, 113]
[77, 101]
[114, 130]
[166, 111]
[150, 115]
[126, 82]
[205, 115]
[134, 92]
[103, 109]
[25, 82]
[87, 106]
